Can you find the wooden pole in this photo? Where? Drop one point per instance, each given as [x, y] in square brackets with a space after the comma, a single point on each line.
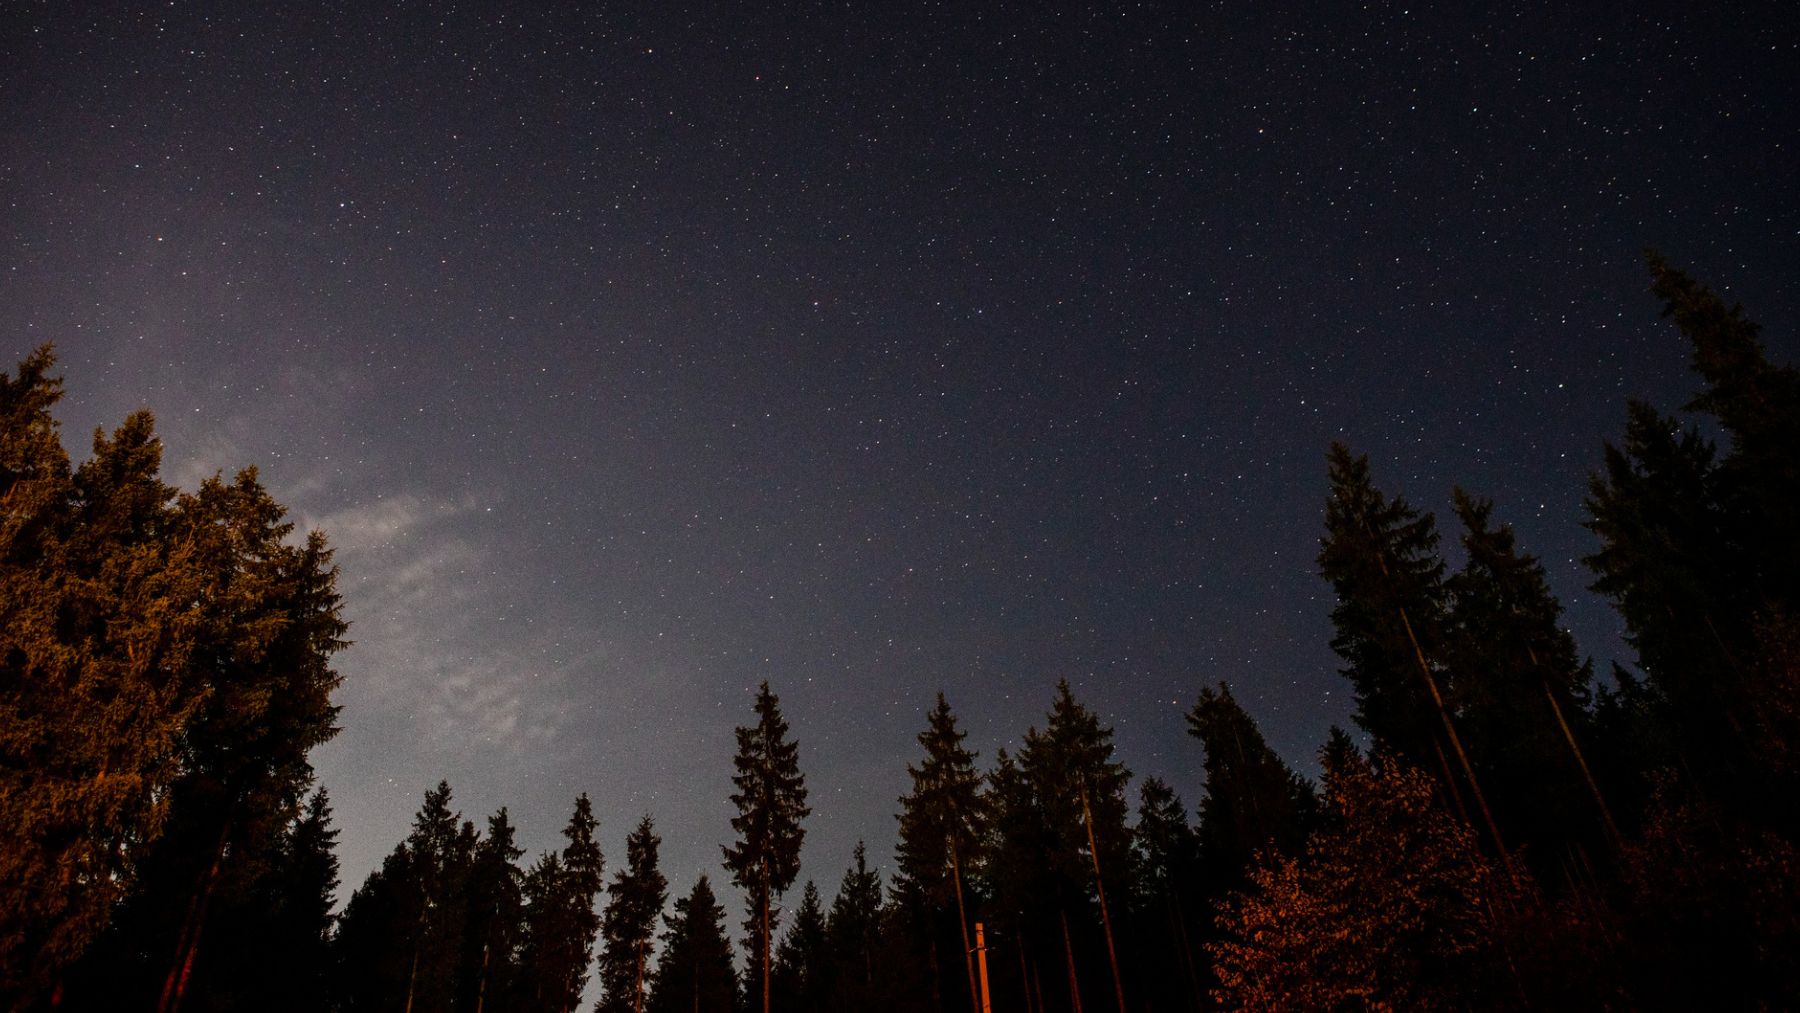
[981, 962]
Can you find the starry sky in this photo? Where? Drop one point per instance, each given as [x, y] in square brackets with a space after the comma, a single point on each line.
[632, 354]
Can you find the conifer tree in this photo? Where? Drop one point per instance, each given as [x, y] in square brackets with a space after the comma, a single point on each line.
[495, 919]
[294, 972]
[1253, 799]
[695, 970]
[1171, 894]
[1062, 851]
[560, 921]
[854, 931]
[1380, 556]
[1521, 689]
[377, 937]
[634, 900]
[803, 967]
[1391, 620]
[1699, 557]
[941, 828]
[98, 613]
[771, 803]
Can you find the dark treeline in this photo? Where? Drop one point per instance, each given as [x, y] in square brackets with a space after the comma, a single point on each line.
[1509, 830]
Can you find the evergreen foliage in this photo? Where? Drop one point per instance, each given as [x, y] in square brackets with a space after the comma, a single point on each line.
[695, 971]
[942, 823]
[634, 901]
[1380, 556]
[1254, 801]
[771, 803]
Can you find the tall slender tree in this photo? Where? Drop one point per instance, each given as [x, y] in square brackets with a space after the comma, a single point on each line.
[1380, 556]
[495, 920]
[771, 803]
[634, 900]
[695, 971]
[853, 930]
[1253, 799]
[1521, 689]
[560, 920]
[803, 963]
[941, 829]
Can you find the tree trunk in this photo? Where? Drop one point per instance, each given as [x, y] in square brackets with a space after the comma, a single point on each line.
[481, 984]
[1612, 829]
[175, 983]
[1069, 955]
[962, 922]
[1112, 955]
[637, 993]
[765, 937]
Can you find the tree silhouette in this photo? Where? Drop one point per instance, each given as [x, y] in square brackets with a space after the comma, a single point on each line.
[634, 900]
[771, 803]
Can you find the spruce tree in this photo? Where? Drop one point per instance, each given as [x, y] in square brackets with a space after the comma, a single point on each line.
[695, 970]
[1254, 801]
[1391, 620]
[853, 929]
[1065, 802]
[941, 829]
[1171, 899]
[634, 900]
[1700, 559]
[99, 606]
[803, 966]
[1521, 690]
[771, 803]
[494, 922]
[560, 921]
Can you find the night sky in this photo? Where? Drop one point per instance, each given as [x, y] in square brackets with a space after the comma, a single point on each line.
[631, 355]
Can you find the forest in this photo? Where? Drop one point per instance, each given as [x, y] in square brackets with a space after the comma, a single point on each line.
[1505, 827]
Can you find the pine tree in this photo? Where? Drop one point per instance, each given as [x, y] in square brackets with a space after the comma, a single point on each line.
[941, 829]
[771, 803]
[803, 967]
[1171, 893]
[634, 900]
[1521, 690]
[695, 971]
[560, 921]
[495, 921]
[1062, 815]
[1254, 801]
[853, 929]
[1391, 621]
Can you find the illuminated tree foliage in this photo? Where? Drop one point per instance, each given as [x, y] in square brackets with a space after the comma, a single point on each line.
[1388, 909]
[167, 670]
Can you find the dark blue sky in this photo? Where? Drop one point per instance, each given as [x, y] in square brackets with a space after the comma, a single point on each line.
[632, 355]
